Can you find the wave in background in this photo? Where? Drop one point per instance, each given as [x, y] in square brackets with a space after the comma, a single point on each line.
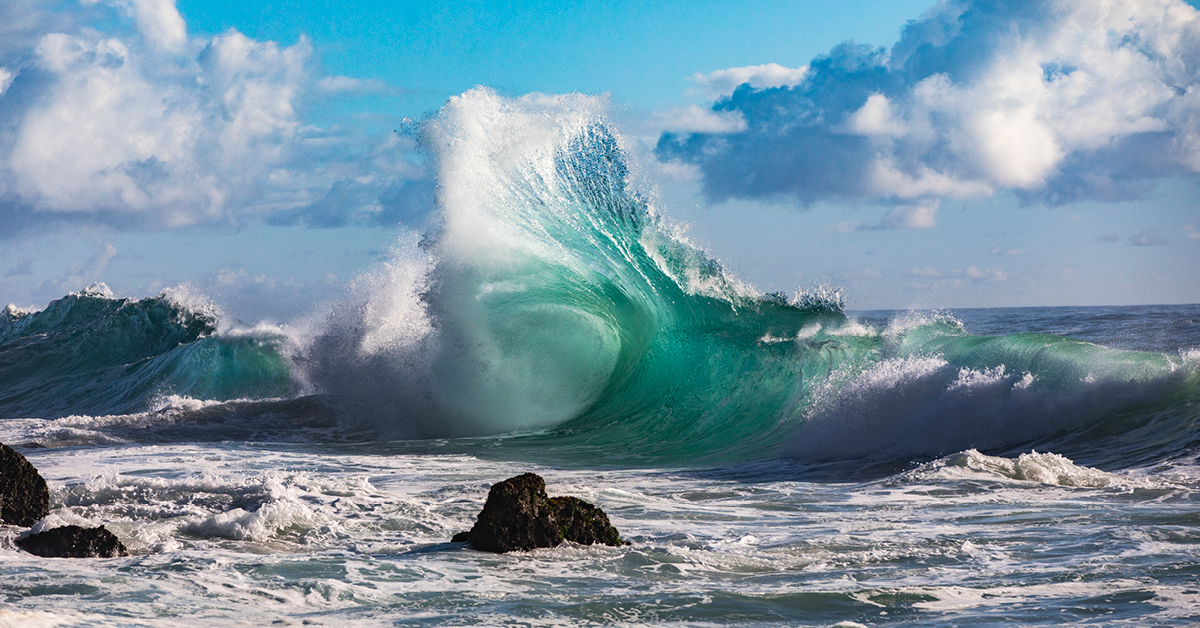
[90, 353]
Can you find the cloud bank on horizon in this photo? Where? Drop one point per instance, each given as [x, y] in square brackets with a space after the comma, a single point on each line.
[146, 128]
[1059, 101]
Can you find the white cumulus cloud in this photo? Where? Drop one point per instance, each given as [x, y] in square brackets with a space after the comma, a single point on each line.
[1060, 100]
[723, 82]
[161, 24]
[158, 130]
[696, 119]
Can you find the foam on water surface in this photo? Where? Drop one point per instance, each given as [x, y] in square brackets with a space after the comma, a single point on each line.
[255, 534]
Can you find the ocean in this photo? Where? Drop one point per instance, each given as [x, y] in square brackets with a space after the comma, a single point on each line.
[773, 459]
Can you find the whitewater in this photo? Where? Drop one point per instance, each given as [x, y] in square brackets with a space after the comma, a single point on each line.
[774, 459]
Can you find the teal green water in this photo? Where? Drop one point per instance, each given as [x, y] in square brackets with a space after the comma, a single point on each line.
[88, 353]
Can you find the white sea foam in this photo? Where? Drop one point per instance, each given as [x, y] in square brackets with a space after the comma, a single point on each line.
[225, 533]
[12, 313]
[1042, 468]
[96, 289]
[899, 325]
[186, 296]
[47, 619]
[923, 405]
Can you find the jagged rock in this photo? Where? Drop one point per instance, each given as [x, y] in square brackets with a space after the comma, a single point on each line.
[74, 542]
[583, 523]
[24, 497]
[519, 516]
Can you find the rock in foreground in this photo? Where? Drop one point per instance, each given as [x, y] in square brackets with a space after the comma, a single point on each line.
[519, 516]
[584, 523]
[24, 497]
[74, 542]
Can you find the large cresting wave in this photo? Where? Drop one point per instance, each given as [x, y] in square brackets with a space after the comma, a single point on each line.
[551, 298]
[551, 303]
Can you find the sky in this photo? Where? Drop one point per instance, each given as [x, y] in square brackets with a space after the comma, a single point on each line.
[917, 154]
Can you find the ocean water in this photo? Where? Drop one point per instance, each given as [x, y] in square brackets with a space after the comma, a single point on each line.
[773, 459]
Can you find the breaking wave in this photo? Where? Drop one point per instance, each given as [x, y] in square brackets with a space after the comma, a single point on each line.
[551, 301]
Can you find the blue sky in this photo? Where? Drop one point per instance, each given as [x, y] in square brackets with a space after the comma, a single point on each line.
[953, 155]
[640, 52]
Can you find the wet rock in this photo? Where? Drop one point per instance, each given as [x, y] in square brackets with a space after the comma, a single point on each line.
[24, 498]
[519, 516]
[74, 542]
[584, 523]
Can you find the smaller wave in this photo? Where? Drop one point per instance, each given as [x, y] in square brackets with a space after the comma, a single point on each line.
[932, 389]
[91, 353]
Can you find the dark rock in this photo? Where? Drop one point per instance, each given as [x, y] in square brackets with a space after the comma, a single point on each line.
[583, 523]
[519, 516]
[74, 542]
[516, 516]
[24, 497]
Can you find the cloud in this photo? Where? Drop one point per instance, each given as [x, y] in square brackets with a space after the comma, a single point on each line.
[22, 269]
[1150, 237]
[81, 274]
[957, 278]
[991, 275]
[353, 85]
[97, 263]
[161, 24]
[1060, 101]
[140, 127]
[696, 119]
[23, 22]
[1192, 232]
[921, 215]
[723, 82]
[365, 201]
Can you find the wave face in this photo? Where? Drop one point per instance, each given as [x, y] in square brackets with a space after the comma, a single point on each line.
[89, 353]
[551, 297]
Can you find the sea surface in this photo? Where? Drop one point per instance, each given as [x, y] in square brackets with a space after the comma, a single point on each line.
[773, 459]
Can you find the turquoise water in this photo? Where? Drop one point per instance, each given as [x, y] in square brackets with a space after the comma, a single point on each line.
[774, 459]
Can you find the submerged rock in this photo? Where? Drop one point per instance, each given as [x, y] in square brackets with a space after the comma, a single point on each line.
[24, 497]
[519, 516]
[74, 542]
